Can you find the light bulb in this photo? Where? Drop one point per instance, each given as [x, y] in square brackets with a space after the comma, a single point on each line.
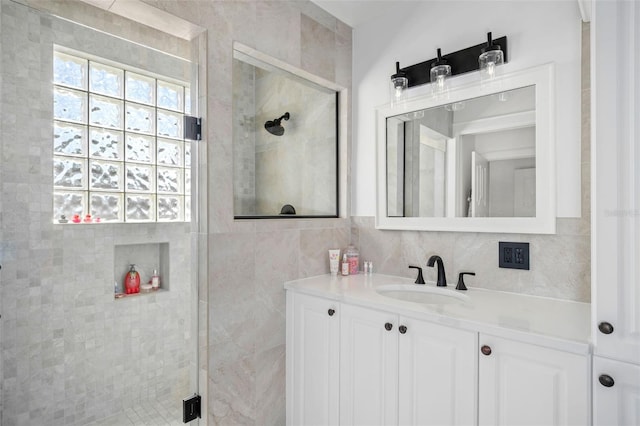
[398, 88]
[491, 69]
[489, 63]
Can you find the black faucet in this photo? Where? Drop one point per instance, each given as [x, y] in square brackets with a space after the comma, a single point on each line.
[419, 279]
[442, 279]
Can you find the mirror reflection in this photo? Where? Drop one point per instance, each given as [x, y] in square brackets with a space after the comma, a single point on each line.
[285, 143]
[474, 158]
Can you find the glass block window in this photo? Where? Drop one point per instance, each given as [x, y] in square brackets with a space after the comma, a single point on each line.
[119, 153]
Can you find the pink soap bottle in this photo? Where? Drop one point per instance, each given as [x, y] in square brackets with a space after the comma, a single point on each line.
[353, 257]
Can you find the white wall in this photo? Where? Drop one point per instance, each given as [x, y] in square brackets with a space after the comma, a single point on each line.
[538, 32]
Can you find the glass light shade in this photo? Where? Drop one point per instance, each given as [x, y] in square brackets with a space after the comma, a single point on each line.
[490, 69]
[456, 106]
[398, 91]
[439, 80]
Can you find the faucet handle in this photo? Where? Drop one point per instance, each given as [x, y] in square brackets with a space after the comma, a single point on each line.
[419, 279]
[460, 285]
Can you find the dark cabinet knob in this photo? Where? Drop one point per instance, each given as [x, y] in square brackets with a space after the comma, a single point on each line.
[388, 326]
[402, 329]
[331, 312]
[606, 380]
[486, 350]
[605, 328]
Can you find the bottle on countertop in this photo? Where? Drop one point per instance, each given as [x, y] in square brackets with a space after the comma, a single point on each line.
[353, 257]
[344, 265]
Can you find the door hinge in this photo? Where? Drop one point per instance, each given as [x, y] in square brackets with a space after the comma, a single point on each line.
[191, 408]
[192, 128]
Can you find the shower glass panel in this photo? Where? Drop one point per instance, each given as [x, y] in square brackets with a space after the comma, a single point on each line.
[92, 123]
[285, 142]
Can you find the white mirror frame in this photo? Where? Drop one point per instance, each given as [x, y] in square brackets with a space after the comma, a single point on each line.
[542, 77]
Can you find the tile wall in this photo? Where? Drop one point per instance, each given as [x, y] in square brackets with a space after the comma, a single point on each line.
[57, 281]
[249, 260]
[71, 353]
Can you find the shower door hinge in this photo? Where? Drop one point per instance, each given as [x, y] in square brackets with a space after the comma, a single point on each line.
[192, 128]
[191, 408]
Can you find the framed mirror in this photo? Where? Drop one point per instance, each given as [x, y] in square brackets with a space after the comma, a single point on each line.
[285, 140]
[481, 159]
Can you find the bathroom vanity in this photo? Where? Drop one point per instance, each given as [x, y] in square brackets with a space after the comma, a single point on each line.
[361, 350]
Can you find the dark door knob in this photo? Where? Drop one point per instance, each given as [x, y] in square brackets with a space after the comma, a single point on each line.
[402, 329]
[388, 326]
[606, 380]
[331, 312]
[605, 328]
[486, 350]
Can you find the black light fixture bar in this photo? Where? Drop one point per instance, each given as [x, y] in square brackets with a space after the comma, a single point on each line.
[462, 61]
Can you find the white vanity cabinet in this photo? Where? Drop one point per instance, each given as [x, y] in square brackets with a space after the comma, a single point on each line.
[616, 393]
[397, 370]
[437, 374]
[313, 333]
[520, 384]
[368, 366]
[615, 103]
[355, 357]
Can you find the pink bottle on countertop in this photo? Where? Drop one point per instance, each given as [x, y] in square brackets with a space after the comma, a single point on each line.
[353, 257]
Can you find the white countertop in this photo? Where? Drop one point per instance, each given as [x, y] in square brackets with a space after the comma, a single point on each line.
[555, 323]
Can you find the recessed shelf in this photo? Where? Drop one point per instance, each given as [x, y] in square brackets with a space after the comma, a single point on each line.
[146, 258]
[147, 293]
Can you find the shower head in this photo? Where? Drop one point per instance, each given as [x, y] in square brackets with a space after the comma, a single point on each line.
[274, 127]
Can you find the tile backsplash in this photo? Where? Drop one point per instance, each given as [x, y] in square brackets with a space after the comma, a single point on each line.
[560, 264]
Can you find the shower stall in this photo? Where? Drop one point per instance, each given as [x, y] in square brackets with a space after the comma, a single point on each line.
[96, 174]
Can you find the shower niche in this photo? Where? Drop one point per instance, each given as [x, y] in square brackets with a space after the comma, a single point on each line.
[285, 140]
[147, 258]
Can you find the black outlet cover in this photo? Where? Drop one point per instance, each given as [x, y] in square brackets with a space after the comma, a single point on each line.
[513, 255]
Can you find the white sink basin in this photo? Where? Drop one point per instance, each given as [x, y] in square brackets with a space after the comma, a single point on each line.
[419, 293]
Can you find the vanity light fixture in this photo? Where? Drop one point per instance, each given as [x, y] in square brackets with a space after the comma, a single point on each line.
[399, 84]
[489, 61]
[440, 71]
[459, 62]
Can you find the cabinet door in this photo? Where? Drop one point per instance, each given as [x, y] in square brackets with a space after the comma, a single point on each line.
[437, 375]
[368, 367]
[615, 402]
[313, 330]
[523, 384]
[616, 191]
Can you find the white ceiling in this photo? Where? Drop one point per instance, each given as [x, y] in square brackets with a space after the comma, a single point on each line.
[356, 12]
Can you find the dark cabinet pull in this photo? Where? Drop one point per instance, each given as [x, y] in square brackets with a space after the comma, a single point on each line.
[605, 328]
[388, 326]
[606, 380]
[486, 350]
[331, 312]
[402, 329]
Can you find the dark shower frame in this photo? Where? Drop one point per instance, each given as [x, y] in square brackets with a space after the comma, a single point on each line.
[337, 214]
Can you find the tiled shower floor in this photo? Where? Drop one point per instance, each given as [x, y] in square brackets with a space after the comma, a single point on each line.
[147, 413]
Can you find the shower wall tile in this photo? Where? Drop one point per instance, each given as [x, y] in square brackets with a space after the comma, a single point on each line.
[70, 352]
[277, 30]
[63, 343]
[318, 47]
[270, 383]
